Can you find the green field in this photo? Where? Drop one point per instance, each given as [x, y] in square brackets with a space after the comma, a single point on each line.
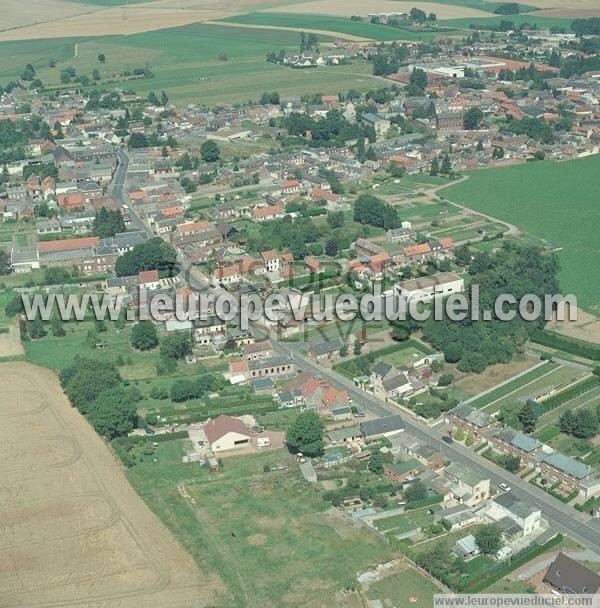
[554, 201]
[270, 536]
[343, 25]
[482, 5]
[531, 19]
[185, 63]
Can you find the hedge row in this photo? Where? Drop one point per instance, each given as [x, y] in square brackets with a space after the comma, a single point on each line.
[569, 393]
[569, 345]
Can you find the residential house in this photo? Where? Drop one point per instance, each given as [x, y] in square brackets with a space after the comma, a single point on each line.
[568, 576]
[226, 433]
[468, 487]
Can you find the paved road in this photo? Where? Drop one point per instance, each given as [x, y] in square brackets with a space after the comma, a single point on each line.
[563, 518]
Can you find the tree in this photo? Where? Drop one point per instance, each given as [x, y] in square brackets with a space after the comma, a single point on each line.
[153, 99]
[209, 151]
[416, 14]
[137, 140]
[331, 247]
[144, 336]
[582, 424]
[164, 98]
[400, 332]
[86, 379]
[489, 539]
[35, 329]
[469, 440]
[101, 57]
[95, 74]
[434, 168]
[446, 167]
[472, 119]
[357, 348]
[176, 346]
[417, 81]
[5, 264]
[107, 223]
[527, 417]
[376, 462]
[153, 254]
[57, 327]
[415, 491]
[305, 435]
[112, 413]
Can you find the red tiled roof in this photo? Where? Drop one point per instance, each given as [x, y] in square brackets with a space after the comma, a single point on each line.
[221, 425]
[66, 244]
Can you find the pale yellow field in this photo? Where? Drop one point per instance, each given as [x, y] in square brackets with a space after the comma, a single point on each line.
[566, 4]
[569, 13]
[74, 532]
[46, 22]
[15, 13]
[347, 8]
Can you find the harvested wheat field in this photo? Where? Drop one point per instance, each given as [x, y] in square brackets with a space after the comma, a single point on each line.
[75, 533]
[39, 11]
[10, 343]
[83, 20]
[572, 5]
[347, 8]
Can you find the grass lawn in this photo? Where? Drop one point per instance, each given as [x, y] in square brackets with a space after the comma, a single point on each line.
[396, 524]
[507, 585]
[343, 25]
[554, 201]
[269, 535]
[402, 357]
[399, 589]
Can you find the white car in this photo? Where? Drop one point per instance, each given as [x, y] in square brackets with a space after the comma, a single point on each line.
[505, 487]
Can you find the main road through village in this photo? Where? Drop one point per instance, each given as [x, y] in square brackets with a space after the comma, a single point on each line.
[561, 517]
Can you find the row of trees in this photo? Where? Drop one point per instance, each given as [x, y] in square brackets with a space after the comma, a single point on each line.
[369, 209]
[97, 391]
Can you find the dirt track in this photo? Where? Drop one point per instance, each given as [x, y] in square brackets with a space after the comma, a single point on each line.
[74, 532]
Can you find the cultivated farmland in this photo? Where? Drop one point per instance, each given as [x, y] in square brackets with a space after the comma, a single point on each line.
[534, 197]
[185, 62]
[361, 29]
[74, 531]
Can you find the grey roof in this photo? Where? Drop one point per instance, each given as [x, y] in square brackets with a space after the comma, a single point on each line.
[570, 576]
[379, 426]
[566, 464]
[517, 507]
[518, 440]
[345, 433]
[472, 415]
[389, 384]
[381, 369]
[263, 383]
[269, 362]
[328, 346]
[340, 411]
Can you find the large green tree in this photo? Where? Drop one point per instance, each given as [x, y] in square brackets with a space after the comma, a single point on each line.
[112, 413]
[209, 151]
[305, 435]
[153, 254]
[144, 336]
[489, 539]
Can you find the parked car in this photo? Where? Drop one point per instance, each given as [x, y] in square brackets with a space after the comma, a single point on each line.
[447, 439]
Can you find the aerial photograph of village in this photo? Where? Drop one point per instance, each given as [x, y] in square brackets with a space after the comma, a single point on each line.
[299, 303]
